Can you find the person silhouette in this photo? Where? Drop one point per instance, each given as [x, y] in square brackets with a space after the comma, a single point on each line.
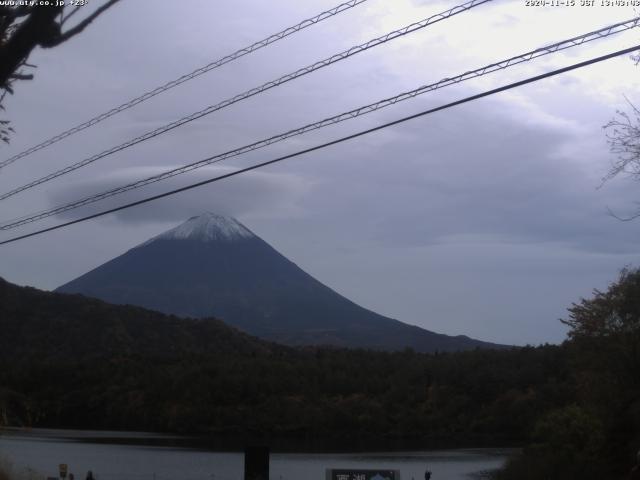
[90, 475]
[427, 474]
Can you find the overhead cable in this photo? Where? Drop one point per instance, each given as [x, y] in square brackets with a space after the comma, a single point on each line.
[185, 78]
[501, 65]
[254, 91]
[327, 144]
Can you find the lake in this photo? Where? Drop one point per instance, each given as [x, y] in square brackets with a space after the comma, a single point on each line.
[43, 450]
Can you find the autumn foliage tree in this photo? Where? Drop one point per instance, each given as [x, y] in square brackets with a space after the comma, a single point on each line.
[605, 339]
[596, 434]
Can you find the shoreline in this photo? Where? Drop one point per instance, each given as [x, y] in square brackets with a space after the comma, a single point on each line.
[279, 444]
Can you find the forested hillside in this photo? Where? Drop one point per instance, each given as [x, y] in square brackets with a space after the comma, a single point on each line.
[72, 362]
[67, 361]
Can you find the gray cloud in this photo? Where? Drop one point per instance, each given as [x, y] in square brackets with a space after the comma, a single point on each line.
[254, 193]
[472, 172]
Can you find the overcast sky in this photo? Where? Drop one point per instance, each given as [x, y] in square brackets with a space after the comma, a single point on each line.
[485, 219]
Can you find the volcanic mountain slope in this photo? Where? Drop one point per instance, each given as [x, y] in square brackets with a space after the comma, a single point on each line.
[213, 266]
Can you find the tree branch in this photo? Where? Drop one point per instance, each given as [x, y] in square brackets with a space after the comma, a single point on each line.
[71, 13]
[15, 50]
[15, 12]
[21, 76]
[63, 37]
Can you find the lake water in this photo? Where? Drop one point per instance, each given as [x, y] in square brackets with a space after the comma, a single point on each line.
[43, 450]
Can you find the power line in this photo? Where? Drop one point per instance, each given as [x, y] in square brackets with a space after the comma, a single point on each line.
[184, 78]
[333, 142]
[254, 91]
[562, 45]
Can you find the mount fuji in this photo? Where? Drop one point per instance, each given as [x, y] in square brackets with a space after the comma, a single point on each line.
[213, 266]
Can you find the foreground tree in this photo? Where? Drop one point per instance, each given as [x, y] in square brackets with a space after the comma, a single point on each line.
[623, 136]
[25, 27]
[598, 434]
[605, 339]
[605, 335]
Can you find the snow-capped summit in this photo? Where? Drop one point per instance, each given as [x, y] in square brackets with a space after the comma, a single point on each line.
[213, 266]
[207, 227]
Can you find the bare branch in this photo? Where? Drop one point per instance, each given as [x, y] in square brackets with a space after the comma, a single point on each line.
[41, 26]
[21, 76]
[15, 12]
[27, 35]
[63, 37]
[623, 137]
[71, 13]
